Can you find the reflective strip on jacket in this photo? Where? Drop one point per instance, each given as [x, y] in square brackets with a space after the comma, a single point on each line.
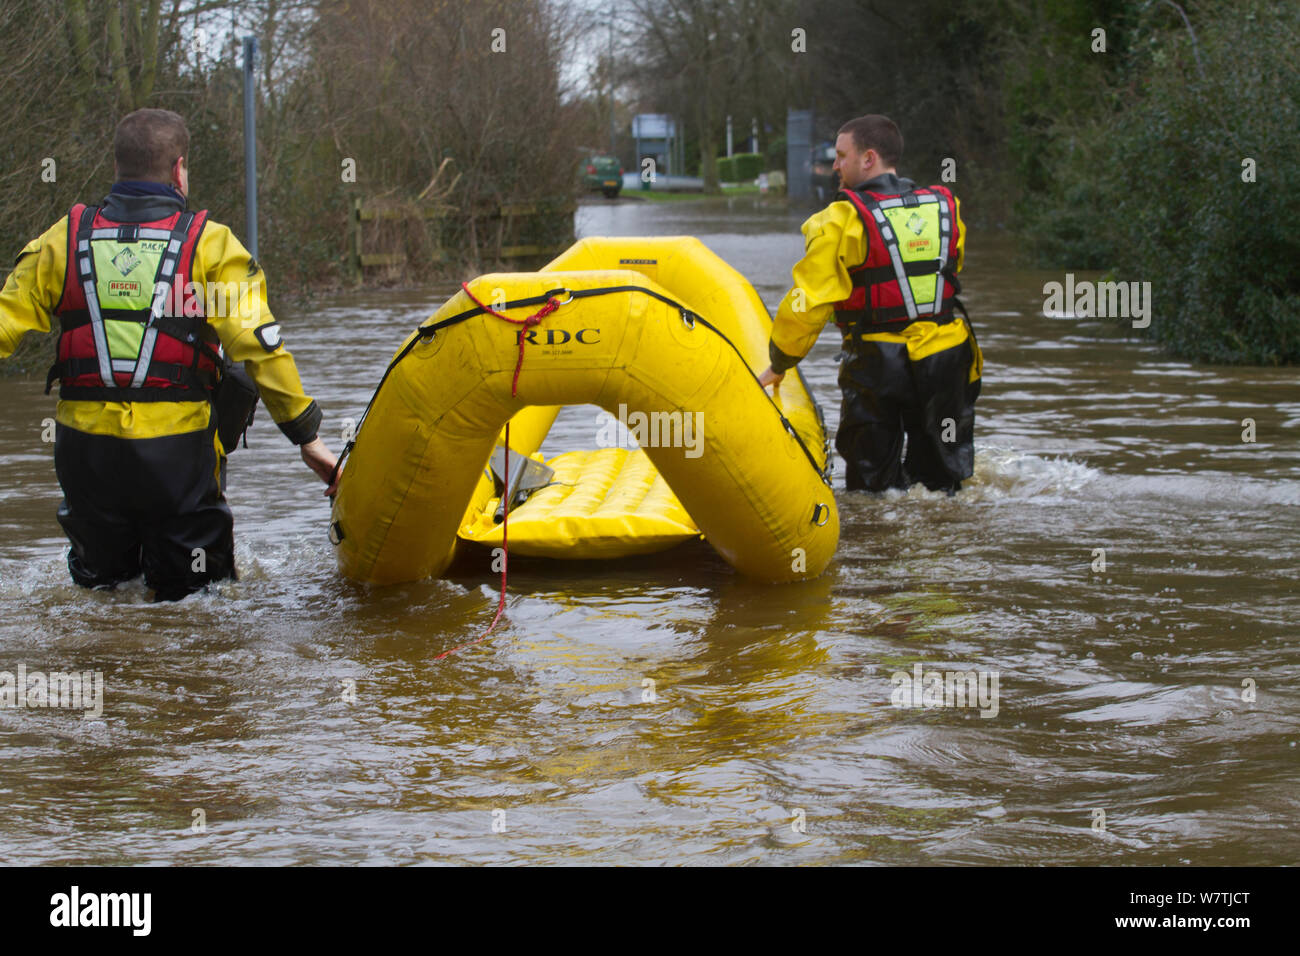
[131, 317]
[245, 329]
[910, 269]
[835, 243]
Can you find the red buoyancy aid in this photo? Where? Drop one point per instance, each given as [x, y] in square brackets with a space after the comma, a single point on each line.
[901, 282]
[146, 342]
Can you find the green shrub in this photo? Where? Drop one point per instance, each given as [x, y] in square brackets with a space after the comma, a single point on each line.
[748, 166]
[1157, 188]
[741, 168]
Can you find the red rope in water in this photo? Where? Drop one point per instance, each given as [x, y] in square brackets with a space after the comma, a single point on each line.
[551, 305]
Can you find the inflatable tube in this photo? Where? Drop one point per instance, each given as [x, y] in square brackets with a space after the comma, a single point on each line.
[684, 356]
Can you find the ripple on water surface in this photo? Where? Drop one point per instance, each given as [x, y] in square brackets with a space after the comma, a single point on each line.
[1122, 562]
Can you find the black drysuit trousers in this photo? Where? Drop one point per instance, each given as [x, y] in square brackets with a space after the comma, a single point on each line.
[931, 402]
[151, 505]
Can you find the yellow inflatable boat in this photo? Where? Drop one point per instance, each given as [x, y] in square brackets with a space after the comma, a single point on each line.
[659, 332]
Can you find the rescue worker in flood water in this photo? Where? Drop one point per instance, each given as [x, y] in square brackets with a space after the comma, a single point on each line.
[883, 260]
[153, 302]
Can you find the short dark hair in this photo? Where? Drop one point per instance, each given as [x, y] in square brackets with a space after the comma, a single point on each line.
[877, 132]
[147, 144]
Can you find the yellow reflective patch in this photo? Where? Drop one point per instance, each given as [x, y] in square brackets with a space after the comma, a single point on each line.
[124, 338]
[922, 289]
[917, 230]
[124, 272]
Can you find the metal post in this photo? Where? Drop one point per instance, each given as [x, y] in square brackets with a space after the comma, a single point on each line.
[613, 144]
[680, 128]
[250, 144]
[798, 153]
[728, 135]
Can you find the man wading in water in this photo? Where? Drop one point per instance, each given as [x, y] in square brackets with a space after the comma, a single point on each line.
[883, 259]
[136, 448]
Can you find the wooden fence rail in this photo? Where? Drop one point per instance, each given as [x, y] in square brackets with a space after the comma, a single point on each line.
[491, 233]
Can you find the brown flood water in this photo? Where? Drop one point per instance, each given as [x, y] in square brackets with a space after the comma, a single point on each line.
[772, 737]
